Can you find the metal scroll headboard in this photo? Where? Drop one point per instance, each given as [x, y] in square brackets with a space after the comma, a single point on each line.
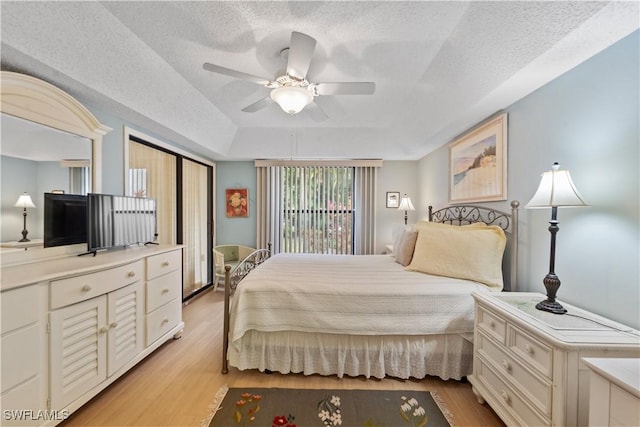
[469, 214]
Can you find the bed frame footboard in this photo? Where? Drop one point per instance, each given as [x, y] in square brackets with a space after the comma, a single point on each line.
[231, 280]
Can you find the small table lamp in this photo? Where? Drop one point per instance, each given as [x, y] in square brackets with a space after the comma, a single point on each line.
[406, 205]
[24, 201]
[556, 190]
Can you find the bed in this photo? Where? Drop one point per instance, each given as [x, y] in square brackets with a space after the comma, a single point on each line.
[372, 315]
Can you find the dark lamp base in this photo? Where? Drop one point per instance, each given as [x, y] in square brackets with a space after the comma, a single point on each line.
[551, 306]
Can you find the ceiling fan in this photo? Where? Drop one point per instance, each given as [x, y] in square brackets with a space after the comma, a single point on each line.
[292, 91]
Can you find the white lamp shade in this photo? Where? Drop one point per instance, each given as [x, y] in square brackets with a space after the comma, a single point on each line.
[556, 189]
[291, 99]
[405, 204]
[24, 201]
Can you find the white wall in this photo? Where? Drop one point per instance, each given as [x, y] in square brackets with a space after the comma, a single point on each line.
[398, 176]
[588, 121]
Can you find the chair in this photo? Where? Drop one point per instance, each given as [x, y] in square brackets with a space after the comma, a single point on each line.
[218, 259]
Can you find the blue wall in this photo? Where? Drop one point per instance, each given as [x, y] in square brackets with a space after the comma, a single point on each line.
[588, 121]
[240, 231]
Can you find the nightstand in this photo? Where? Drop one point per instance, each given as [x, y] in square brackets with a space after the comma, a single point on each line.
[527, 363]
[614, 398]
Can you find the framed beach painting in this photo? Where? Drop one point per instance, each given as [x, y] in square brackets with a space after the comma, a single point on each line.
[237, 201]
[478, 163]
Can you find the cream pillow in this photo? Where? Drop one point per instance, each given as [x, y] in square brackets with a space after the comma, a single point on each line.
[404, 252]
[472, 253]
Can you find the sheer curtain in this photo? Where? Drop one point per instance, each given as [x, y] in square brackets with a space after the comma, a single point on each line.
[194, 230]
[160, 183]
[269, 201]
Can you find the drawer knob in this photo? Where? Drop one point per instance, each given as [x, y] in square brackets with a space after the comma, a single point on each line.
[506, 365]
[113, 325]
[505, 396]
[528, 348]
[165, 320]
[131, 274]
[492, 323]
[165, 264]
[165, 290]
[103, 329]
[86, 288]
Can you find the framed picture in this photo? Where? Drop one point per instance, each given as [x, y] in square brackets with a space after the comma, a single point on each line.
[478, 163]
[237, 202]
[393, 199]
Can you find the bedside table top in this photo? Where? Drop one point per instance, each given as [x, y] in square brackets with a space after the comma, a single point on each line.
[624, 372]
[577, 326]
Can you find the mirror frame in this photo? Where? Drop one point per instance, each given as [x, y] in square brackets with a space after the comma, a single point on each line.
[40, 102]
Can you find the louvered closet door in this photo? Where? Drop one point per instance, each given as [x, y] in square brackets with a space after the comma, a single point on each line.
[125, 317]
[78, 350]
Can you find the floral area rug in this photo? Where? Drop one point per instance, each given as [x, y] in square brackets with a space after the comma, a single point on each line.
[282, 407]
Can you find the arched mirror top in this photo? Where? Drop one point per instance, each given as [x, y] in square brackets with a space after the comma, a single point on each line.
[40, 102]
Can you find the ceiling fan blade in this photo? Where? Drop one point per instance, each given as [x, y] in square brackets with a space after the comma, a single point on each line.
[259, 105]
[233, 73]
[300, 53]
[315, 112]
[351, 88]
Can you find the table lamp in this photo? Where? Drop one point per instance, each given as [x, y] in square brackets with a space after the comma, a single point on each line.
[24, 201]
[406, 206]
[556, 190]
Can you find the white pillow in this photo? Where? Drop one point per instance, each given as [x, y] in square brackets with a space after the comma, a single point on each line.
[404, 252]
[472, 253]
[398, 233]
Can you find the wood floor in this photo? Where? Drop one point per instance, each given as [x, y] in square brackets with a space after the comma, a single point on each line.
[175, 385]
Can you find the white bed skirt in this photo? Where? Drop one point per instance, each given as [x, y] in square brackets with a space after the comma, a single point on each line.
[444, 356]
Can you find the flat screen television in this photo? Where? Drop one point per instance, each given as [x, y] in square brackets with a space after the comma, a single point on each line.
[65, 219]
[117, 221]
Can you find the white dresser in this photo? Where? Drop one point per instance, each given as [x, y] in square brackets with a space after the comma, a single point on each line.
[614, 398]
[73, 325]
[527, 363]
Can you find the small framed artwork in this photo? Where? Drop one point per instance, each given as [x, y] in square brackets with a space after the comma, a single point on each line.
[393, 199]
[237, 202]
[478, 163]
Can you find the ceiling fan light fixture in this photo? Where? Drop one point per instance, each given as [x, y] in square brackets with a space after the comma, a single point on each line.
[291, 99]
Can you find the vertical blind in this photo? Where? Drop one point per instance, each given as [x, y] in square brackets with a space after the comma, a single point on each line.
[316, 208]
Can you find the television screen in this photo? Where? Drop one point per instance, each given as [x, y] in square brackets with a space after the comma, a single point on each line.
[115, 221]
[65, 219]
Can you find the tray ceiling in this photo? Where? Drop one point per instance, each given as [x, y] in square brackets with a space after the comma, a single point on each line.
[439, 67]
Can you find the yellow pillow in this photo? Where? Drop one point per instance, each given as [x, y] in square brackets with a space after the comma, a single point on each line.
[472, 253]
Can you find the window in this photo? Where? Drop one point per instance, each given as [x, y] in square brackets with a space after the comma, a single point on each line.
[317, 209]
[316, 206]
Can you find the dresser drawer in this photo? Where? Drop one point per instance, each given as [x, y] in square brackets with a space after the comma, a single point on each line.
[20, 307]
[160, 321]
[80, 288]
[538, 391]
[537, 354]
[505, 396]
[492, 324]
[20, 354]
[24, 397]
[162, 290]
[160, 264]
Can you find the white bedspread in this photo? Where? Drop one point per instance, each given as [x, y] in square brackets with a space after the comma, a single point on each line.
[349, 294]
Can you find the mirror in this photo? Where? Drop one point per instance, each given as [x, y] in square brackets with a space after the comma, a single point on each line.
[37, 159]
[50, 142]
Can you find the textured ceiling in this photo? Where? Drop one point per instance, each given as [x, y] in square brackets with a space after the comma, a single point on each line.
[439, 67]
